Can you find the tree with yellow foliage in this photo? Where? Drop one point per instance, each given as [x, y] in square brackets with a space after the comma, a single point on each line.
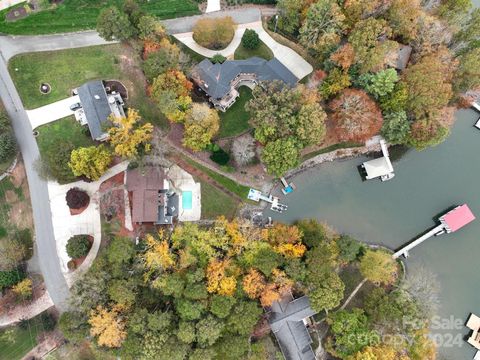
[201, 124]
[379, 352]
[217, 279]
[23, 290]
[127, 136]
[253, 284]
[379, 267]
[108, 326]
[92, 161]
[158, 255]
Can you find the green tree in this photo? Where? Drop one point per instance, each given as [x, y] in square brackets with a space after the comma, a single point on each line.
[165, 58]
[379, 266]
[351, 332]
[209, 330]
[427, 132]
[73, 326]
[313, 232]
[218, 58]
[323, 26]
[114, 25]
[92, 161]
[54, 164]
[244, 317]
[381, 83]
[120, 253]
[289, 15]
[201, 124]
[454, 11]
[310, 128]
[189, 310]
[122, 291]
[349, 248]
[280, 155]
[396, 127]
[186, 332]
[149, 28]
[365, 38]
[469, 31]
[326, 292]
[250, 39]
[396, 101]
[336, 81]
[467, 75]
[403, 18]
[232, 347]
[10, 277]
[78, 246]
[429, 84]
[220, 306]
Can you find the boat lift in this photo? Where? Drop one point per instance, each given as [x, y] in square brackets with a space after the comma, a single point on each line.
[287, 188]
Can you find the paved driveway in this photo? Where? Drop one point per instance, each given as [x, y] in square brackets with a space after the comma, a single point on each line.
[51, 112]
[294, 62]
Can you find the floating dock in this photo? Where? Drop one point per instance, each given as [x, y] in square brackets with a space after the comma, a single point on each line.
[275, 205]
[450, 222]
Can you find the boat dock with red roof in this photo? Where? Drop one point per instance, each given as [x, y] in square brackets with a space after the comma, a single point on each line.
[450, 222]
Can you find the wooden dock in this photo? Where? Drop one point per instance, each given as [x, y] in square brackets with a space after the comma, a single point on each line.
[440, 229]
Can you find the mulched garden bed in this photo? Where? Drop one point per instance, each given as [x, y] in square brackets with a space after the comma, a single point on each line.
[16, 14]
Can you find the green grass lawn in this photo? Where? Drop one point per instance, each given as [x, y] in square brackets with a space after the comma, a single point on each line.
[63, 70]
[216, 202]
[74, 15]
[15, 342]
[227, 183]
[235, 120]
[66, 130]
[263, 51]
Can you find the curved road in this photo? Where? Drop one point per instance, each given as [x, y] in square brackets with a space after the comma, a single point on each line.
[44, 238]
[13, 45]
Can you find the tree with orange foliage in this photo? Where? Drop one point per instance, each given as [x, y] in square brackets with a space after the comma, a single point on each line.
[108, 325]
[356, 116]
[282, 234]
[344, 56]
[171, 92]
[253, 284]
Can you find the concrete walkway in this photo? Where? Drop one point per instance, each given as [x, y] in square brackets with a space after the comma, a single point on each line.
[29, 311]
[88, 222]
[213, 5]
[5, 4]
[294, 62]
[51, 112]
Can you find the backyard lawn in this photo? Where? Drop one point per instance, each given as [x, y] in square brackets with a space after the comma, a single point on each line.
[15, 342]
[263, 51]
[65, 70]
[74, 15]
[235, 120]
[216, 202]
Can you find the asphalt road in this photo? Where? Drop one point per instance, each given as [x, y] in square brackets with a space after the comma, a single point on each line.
[44, 236]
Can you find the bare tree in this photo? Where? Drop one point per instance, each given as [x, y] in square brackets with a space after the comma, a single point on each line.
[243, 149]
[422, 285]
[159, 151]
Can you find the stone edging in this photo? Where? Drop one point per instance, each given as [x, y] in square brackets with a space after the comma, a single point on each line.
[10, 169]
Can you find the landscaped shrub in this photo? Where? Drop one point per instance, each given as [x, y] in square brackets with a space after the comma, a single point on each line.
[220, 156]
[10, 278]
[48, 321]
[250, 39]
[78, 246]
[77, 199]
[7, 146]
[214, 34]
[218, 58]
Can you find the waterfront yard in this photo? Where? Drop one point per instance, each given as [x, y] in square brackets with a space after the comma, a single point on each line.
[65, 70]
[216, 203]
[235, 120]
[75, 15]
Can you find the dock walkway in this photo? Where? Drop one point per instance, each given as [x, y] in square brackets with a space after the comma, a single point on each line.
[440, 229]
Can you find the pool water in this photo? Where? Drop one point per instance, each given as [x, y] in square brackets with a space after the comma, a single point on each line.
[187, 200]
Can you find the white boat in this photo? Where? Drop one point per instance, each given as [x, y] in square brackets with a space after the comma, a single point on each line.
[477, 124]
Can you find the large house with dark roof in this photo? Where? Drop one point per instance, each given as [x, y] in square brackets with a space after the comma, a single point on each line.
[96, 108]
[221, 81]
[152, 199]
[287, 319]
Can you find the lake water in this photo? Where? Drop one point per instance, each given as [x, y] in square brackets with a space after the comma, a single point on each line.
[391, 213]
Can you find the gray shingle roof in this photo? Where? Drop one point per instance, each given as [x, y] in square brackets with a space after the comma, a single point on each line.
[217, 77]
[95, 105]
[286, 321]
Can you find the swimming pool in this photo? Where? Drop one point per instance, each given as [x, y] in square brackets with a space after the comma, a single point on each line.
[187, 200]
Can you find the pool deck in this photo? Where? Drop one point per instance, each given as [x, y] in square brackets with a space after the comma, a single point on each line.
[182, 182]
